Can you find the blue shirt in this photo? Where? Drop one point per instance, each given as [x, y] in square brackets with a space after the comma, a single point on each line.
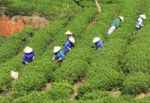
[28, 57]
[60, 55]
[68, 46]
[99, 44]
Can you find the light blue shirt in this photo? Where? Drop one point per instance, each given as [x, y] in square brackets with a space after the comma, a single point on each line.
[60, 55]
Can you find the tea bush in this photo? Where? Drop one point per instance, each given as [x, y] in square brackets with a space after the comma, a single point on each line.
[94, 95]
[136, 83]
[105, 79]
[137, 57]
[34, 97]
[60, 91]
[5, 81]
[5, 99]
[47, 8]
[2, 39]
[22, 86]
[73, 72]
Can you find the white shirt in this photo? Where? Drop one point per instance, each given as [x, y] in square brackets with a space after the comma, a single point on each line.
[139, 23]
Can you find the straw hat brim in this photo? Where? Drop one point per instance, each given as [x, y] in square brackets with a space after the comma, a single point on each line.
[28, 50]
[71, 39]
[56, 49]
[96, 39]
[68, 33]
[122, 18]
[143, 16]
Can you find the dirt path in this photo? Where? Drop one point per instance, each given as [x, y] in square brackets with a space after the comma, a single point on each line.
[91, 25]
[34, 20]
[47, 86]
[115, 92]
[12, 25]
[98, 6]
[142, 95]
[75, 89]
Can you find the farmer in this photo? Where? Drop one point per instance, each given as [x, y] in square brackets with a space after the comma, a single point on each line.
[58, 54]
[28, 55]
[98, 43]
[139, 23]
[69, 44]
[115, 24]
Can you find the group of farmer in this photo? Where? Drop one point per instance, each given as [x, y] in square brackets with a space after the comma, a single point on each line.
[59, 55]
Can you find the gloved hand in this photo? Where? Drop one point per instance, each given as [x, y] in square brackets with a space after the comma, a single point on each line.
[60, 59]
[33, 58]
[26, 62]
[69, 48]
[53, 58]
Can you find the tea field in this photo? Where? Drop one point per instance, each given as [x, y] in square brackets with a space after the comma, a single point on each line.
[117, 73]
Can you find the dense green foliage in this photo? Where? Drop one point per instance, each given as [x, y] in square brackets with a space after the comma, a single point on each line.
[121, 65]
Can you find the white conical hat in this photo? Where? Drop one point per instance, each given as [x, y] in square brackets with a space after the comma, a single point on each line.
[68, 33]
[14, 74]
[96, 39]
[143, 16]
[122, 18]
[56, 49]
[28, 49]
[72, 39]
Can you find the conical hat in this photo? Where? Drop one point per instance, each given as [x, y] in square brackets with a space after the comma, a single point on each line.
[122, 18]
[28, 49]
[68, 33]
[143, 16]
[96, 39]
[71, 39]
[14, 74]
[56, 49]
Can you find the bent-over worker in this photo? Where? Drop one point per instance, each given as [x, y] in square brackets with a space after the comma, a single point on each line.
[69, 44]
[98, 43]
[58, 54]
[139, 23]
[28, 55]
[116, 23]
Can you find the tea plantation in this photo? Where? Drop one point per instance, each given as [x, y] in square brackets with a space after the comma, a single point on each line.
[117, 73]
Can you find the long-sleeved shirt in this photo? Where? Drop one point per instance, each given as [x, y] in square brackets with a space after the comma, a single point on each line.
[68, 46]
[139, 23]
[28, 57]
[99, 44]
[116, 22]
[60, 55]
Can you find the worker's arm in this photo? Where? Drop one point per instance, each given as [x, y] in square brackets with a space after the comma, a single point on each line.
[24, 59]
[69, 48]
[54, 57]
